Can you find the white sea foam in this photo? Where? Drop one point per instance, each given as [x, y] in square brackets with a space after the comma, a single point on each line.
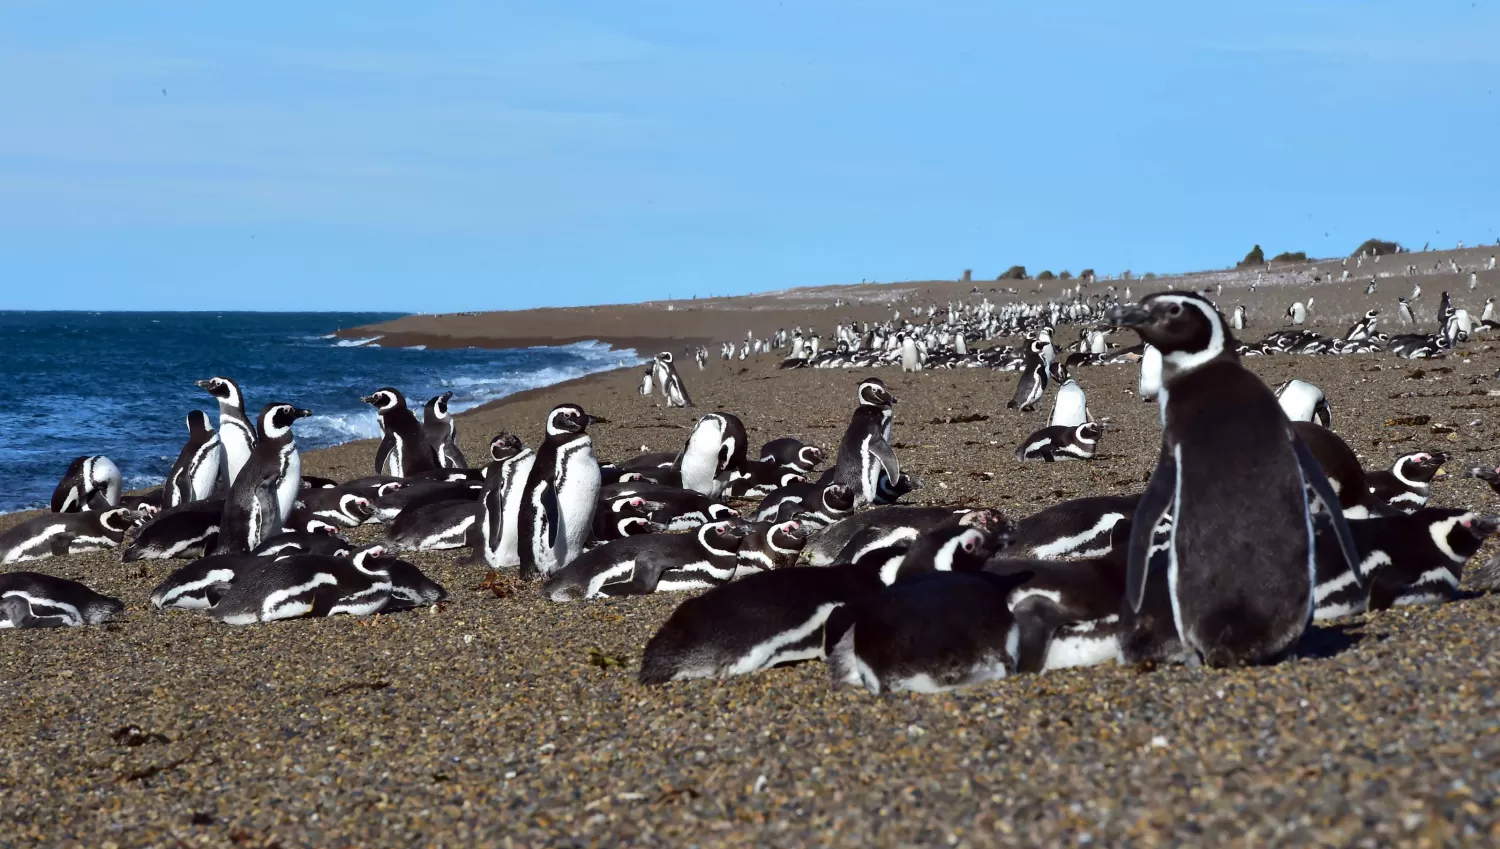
[357, 343]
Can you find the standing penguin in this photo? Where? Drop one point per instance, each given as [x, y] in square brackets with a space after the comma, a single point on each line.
[1240, 552]
[195, 475]
[1304, 402]
[865, 454]
[236, 433]
[265, 491]
[562, 491]
[714, 451]
[90, 483]
[1239, 317]
[1297, 313]
[403, 451]
[1149, 384]
[440, 434]
[1033, 378]
[911, 358]
[501, 505]
[1070, 408]
[670, 382]
[646, 382]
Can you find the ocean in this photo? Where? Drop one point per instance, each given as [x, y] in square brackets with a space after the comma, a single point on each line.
[122, 383]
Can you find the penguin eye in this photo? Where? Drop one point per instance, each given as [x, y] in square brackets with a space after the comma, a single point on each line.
[1175, 310]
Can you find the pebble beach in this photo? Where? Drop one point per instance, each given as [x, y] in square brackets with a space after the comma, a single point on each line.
[502, 718]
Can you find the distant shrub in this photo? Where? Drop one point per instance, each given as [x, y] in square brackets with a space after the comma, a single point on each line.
[1126, 274]
[1150, 275]
[968, 275]
[1065, 275]
[1087, 274]
[1015, 272]
[1255, 257]
[1046, 275]
[1290, 256]
[1376, 247]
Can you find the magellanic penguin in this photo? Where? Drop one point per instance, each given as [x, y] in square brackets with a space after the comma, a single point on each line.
[865, 455]
[1408, 484]
[33, 600]
[1033, 381]
[500, 507]
[195, 475]
[647, 387]
[1149, 383]
[715, 450]
[91, 483]
[1238, 484]
[54, 535]
[670, 381]
[307, 585]
[849, 539]
[1061, 442]
[266, 490]
[440, 434]
[403, 450]
[561, 494]
[236, 432]
[1304, 402]
[942, 627]
[792, 453]
[1070, 408]
[187, 530]
[640, 565]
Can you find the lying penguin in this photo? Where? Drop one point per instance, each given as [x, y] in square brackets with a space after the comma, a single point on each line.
[641, 565]
[33, 600]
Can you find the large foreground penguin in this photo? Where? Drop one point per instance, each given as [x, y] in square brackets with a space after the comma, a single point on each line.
[1240, 492]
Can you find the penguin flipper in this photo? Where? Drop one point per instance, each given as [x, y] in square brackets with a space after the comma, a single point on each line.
[887, 457]
[1155, 501]
[546, 497]
[387, 445]
[1317, 482]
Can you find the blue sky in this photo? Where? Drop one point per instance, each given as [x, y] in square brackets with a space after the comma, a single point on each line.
[432, 157]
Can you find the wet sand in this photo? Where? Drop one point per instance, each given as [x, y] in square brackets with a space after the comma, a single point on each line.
[490, 722]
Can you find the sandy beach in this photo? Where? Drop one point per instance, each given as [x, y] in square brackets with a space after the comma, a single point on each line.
[516, 721]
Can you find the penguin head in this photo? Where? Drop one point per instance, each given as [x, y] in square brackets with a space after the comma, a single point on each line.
[385, 399]
[873, 393]
[567, 418]
[1185, 327]
[101, 608]
[665, 356]
[810, 456]
[788, 537]
[1460, 532]
[120, 519]
[724, 537]
[197, 422]
[276, 419]
[356, 507]
[505, 446]
[439, 405]
[1089, 432]
[838, 499]
[1423, 466]
[632, 526]
[224, 389]
[719, 512]
[364, 558]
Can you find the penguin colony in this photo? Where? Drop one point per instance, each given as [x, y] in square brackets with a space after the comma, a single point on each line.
[785, 563]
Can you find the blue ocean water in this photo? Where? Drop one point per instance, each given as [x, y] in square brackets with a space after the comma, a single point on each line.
[121, 384]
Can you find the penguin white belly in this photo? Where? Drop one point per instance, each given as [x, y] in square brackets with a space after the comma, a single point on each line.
[510, 501]
[1150, 381]
[289, 485]
[238, 441]
[577, 498]
[204, 478]
[1071, 408]
[700, 459]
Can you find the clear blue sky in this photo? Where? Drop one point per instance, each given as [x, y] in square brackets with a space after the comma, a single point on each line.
[446, 156]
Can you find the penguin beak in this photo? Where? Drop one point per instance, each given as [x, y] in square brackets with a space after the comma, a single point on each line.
[301, 414]
[1126, 315]
[1480, 472]
[201, 384]
[1487, 524]
[368, 399]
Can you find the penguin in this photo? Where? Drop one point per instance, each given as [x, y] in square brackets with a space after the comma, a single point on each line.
[403, 451]
[641, 565]
[1297, 312]
[1061, 442]
[911, 358]
[680, 510]
[1370, 289]
[1081, 527]
[848, 540]
[236, 432]
[772, 545]
[266, 489]
[34, 600]
[55, 535]
[791, 453]
[307, 585]
[287, 543]
[646, 388]
[945, 627]
[761, 478]
[199, 585]
[714, 450]
[500, 506]
[195, 475]
[1403, 560]
[865, 455]
[624, 517]
[438, 526]
[1408, 484]
[560, 495]
[440, 434]
[1341, 466]
[1068, 611]
[764, 620]
[416, 493]
[1070, 407]
[1033, 381]
[1149, 384]
[340, 506]
[1238, 323]
[1238, 483]
[91, 483]
[1404, 309]
[187, 530]
[819, 504]
[1303, 402]
[1445, 309]
[670, 381]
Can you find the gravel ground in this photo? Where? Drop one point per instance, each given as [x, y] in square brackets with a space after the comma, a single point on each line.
[517, 721]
